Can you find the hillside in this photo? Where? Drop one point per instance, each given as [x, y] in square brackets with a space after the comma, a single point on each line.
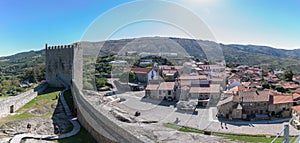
[18, 63]
[234, 54]
[266, 57]
[26, 66]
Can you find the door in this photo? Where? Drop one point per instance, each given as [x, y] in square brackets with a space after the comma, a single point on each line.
[11, 109]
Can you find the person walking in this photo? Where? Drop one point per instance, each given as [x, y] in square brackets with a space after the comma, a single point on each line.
[56, 129]
[28, 128]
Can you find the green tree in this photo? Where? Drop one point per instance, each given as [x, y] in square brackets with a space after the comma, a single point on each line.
[279, 88]
[265, 74]
[101, 82]
[288, 75]
[266, 85]
[127, 77]
[30, 74]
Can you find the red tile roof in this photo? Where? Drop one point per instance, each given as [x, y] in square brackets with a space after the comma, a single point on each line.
[192, 77]
[185, 88]
[214, 88]
[297, 90]
[166, 86]
[253, 96]
[296, 109]
[237, 89]
[277, 99]
[274, 93]
[152, 87]
[288, 85]
[296, 95]
[140, 70]
[185, 83]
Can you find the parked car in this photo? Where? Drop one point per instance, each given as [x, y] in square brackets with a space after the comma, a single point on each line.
[109, 93]
[122, 99]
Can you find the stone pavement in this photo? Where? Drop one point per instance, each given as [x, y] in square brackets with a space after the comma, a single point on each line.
[202, 118]
[76, 126]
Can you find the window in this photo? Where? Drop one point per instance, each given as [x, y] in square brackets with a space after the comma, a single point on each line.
[169, 92]
[160, 92]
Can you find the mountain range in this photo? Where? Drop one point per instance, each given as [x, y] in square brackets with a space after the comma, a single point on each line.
[234, 54]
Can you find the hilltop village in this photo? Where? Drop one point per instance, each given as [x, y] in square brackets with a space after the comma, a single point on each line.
[240, 93]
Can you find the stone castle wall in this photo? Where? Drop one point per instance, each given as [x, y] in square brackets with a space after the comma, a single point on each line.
[59, 64]
[98, 124]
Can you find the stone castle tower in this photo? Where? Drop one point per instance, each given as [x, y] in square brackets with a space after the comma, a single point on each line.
[64, 63]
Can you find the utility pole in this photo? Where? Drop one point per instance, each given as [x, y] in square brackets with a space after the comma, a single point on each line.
[286, 133]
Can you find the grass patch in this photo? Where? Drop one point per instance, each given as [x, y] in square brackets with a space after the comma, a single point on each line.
[172, 126]
[231, 137]
[4, 96]
[248, 138]
[81, 137]
[46, 99]
[184, 129]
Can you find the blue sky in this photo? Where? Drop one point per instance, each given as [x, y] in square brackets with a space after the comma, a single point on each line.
[28, 25]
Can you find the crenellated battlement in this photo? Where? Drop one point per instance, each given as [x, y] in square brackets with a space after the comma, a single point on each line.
[61, 46]
[61, 60]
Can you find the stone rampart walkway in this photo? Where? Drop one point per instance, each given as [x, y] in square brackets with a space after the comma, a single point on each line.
[76, 126]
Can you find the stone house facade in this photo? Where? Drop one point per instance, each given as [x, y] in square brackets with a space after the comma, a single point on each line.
[255, 104]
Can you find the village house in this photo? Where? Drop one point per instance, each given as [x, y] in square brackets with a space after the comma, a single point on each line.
[253, 103]
[118, 62]
[151, 91]
[144, 74]
[233, 80]
[162, 90]
[187, 79]
[247, 104]
[170, 73]
[280, 104]
[296, 116]
[205, 93]
[146, 62]
[167, 90]
[296, 78]
[289, 85]
[242, 68]
[296, 96]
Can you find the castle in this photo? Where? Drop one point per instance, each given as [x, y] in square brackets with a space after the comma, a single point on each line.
[64, 68]
[64, 63]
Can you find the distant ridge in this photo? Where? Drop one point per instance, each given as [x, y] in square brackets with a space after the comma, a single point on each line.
[235, 54]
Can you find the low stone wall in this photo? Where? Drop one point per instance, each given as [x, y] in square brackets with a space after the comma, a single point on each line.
[13, 103]
[121, 86]
[41, 88]
[97, 124]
